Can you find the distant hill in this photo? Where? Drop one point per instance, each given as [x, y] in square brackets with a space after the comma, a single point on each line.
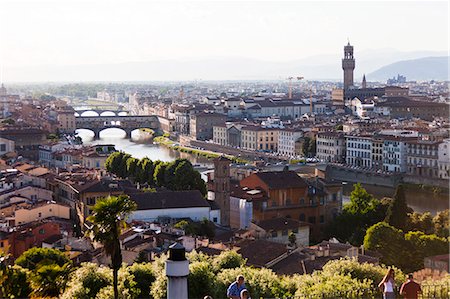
[322, 67]
[428, 68]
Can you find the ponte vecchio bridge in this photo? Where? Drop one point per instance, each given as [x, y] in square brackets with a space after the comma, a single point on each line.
[126, 123]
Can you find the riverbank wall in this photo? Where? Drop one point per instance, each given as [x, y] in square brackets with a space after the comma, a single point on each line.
[348, 174]
[359, 176]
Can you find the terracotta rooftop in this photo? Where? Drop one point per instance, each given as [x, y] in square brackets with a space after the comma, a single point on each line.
[281, 179]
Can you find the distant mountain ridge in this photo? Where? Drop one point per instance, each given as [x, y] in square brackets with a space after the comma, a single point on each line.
[319, 67]
[427, 68]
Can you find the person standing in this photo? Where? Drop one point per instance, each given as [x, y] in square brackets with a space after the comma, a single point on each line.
[410, 289]
[388, 285]
[235, 289]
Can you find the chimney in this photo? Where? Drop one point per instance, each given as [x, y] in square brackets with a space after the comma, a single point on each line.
[177, 271]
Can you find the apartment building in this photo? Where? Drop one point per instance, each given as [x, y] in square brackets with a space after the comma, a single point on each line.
[423, 158]
[377, 153]
[330, 147]
[201, 124]
[444, 159]
[394, 154]
[287, 139]
[359, 151]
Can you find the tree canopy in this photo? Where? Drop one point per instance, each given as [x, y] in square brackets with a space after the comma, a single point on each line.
[176, 175]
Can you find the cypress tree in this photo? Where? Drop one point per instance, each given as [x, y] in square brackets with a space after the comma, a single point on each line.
[397, 214]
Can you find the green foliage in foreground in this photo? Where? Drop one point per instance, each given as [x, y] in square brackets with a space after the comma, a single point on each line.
[344, 278]
[406, 251]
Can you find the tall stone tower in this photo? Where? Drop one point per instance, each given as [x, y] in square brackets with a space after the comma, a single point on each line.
[364, 82]
[348, 65]
[222, 188]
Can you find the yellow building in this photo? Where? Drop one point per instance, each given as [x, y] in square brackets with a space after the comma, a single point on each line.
[41, 211]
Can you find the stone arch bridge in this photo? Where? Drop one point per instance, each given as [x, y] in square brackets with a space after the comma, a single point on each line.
[126, 123]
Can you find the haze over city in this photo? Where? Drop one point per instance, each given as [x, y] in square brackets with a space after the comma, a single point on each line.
[216, 40]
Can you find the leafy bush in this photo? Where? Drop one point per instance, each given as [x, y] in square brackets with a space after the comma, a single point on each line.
[201, 279]
[350, 266]
[260, 282]
[144, 276]
[228, 259]
[14, 283]
[326, 285]
[87, 281]
[433, 288]
[35, 257]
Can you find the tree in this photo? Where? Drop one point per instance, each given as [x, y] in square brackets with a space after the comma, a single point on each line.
[441, 223]
[123, 170]
[144, 276]
[145, 171]
[397, 213]
[389, 242]
[108, 220]
[49, 280]
[87, 281]
[201, 279]
[141, 258]
[132, 164]
[159, 174]
[13, 280]
[422, 245]
[361, 212]
[115, 163]
[35, 257]
[228, 259]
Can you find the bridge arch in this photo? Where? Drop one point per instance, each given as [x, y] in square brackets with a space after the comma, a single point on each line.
[88, 113]
[126, 123]
[108, 113]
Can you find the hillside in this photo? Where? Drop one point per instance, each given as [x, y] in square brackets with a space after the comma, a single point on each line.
[428, 68]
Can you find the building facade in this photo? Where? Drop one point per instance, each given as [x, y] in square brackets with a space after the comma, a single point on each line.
[286, 141]
[201, 124]
[359, 151]
[444, 159]
[330, 147]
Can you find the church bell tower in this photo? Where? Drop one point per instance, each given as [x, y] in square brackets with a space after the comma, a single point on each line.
[348, 65]
[222, 188]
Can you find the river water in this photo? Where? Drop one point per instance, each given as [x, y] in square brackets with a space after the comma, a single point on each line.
[139, 146]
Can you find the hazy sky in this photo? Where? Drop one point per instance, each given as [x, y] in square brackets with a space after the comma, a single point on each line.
[64, 32]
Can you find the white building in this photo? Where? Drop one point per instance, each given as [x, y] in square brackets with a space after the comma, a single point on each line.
[330, 147]
[234, 107]
[359, 151]
[362, 109]
[241, 212]
[444, 159]
[394, 154]
[286, 141]
[153, 206]
[6, 146]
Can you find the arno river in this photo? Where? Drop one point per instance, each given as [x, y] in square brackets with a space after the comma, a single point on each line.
[139, 147]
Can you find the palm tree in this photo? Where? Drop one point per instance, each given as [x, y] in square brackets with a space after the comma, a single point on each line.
[108, 219]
